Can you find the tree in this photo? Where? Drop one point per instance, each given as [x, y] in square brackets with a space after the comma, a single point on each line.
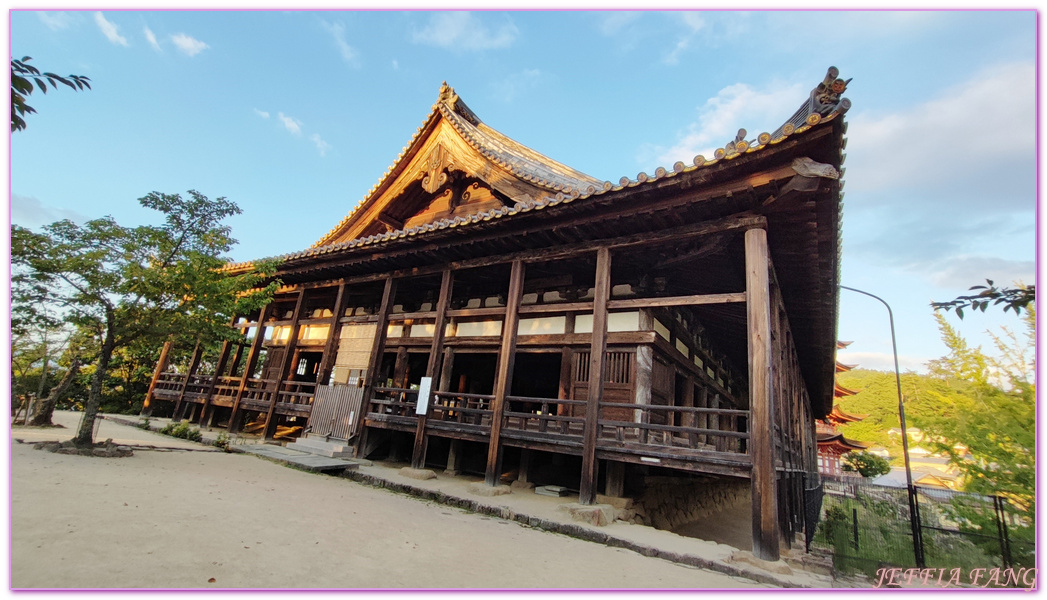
[987, 412]
[21, 86]
[151, 282]
[866, 464]
[1015, 299]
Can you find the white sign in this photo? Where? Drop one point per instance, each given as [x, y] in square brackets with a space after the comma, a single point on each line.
[423, 395]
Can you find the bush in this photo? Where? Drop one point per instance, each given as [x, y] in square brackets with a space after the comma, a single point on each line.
[222, 441]
[144, 424]
[183, 431]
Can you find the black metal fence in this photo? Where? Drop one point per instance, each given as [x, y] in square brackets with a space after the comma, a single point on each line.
[868, 527]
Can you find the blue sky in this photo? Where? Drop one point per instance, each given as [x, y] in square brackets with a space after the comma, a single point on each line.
[296, 115]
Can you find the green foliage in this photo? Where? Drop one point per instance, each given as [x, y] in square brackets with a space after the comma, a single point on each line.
[988, 410]
[866, 464]
[21, 86]
[143, 424]
[222, 441]
[135, 287]
[1015, 299]
[182, 430]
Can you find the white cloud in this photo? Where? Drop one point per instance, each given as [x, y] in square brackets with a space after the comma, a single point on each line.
[290, 123]
[109, 30]
[151, 38]
[337, 31]
[518, 83]
[321, 145]
[612, 23]
[985, 122]
[261, 113]
[29, 211]
[882, 361]
[737, 105]
[460, 30]
[693, 20]
[55, 20]
[189, 46]
[396, 65]
[961, 271]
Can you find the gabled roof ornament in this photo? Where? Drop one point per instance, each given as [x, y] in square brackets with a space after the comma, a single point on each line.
[449, 98]
[824, 101]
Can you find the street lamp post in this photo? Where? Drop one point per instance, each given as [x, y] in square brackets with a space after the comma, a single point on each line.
[914, 517]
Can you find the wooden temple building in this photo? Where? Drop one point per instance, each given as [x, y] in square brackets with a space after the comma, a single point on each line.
[488, 309]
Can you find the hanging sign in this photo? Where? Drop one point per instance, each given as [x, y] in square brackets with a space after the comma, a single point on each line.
[423, 396]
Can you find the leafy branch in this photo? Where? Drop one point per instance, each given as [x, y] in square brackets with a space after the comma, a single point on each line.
[23, 75]
[1016, 299]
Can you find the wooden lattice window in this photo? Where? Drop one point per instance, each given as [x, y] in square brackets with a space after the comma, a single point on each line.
[617, 369]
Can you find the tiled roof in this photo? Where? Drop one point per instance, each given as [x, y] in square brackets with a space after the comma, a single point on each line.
[568, 184]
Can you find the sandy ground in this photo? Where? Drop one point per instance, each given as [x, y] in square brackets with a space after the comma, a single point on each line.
[211, 520]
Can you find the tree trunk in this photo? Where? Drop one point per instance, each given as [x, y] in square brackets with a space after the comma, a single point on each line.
[43, 372]
[85, 434]
[45, 407]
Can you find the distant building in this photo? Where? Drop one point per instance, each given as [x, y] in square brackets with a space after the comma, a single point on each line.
[832, 445]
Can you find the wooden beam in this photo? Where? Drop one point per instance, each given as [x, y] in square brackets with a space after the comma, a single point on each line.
[223, 359]
[194, 362]
[341, 301]
[289, 351]
[252, 358]
[435, 354]
[504, 376]
[761, 398]
[676, 301]
[161, 364]
[597, 362]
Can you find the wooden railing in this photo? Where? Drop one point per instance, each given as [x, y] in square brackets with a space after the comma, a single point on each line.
[169, 385]
[655, 426]
[297, 392]
[545, 415]
[393, 402]
[470, 410]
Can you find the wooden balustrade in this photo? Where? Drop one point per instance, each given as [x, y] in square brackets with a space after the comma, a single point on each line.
[661, 430]
[544, 415]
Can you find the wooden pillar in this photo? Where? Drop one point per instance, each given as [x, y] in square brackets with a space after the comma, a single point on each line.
[400, 368]
[252, 358]
[323, 374]
[375, 362]
[597, 363]
[223, 358]
[761, 400]
[504, 376]
[194, 362]
[236, 359]
[290, 350]
[525, 466]
[435, 352]
[161, 364]
[615, 484]
[454, 457]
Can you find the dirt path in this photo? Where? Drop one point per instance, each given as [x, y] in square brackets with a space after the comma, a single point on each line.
[217, 520]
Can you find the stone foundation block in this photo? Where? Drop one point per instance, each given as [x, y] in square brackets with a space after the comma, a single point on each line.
[482, 489]
[618, 503]
[593, 514]
[422, 474]
[522, 485]
[744, 556]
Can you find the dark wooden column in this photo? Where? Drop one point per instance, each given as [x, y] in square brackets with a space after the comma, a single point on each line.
[252, 358]
[289, 352]
[334, 330]
[503, 381]
[194, 362]
[161, 364]
[375, 362]
[435, 353]
[223, 359]
[761, 398]
[597, 362]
